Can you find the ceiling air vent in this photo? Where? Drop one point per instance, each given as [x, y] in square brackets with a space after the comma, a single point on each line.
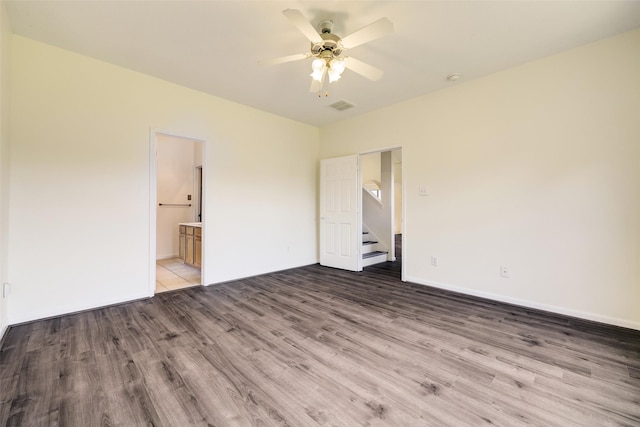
[341, 105]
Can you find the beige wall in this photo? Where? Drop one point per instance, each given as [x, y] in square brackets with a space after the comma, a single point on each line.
[80, 182]
[5, 54]
[535, 168]
[370, 167]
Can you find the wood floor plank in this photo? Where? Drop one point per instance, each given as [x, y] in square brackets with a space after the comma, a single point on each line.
[315, 346]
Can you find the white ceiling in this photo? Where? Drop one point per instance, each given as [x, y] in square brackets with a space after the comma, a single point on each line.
[215, 46]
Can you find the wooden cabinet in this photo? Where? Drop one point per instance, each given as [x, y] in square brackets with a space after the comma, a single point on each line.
[190, 250]
[182, 242]
[197, 247]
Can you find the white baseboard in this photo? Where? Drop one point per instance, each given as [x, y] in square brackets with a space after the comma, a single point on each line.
[530, 304]
[222, 280]
[3, 332]
[60, 311]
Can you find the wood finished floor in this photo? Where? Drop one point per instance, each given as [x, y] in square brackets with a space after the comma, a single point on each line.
[316, 346]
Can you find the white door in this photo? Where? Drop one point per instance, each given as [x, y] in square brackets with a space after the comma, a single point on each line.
[340, 235]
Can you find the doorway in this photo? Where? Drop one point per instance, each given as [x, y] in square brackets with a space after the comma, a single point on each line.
[381, 208]
[361, 213]
[176, 226]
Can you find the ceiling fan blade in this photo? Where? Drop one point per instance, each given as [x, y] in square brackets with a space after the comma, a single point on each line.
[371, 32]
[284, 59]
[298, 20]
[364, 69]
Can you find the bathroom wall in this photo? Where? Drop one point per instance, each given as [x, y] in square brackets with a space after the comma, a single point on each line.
[176, 162]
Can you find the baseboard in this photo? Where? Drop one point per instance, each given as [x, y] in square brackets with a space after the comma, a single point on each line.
[594, 317]
[49, 314]
[3, 334]
[280, 270]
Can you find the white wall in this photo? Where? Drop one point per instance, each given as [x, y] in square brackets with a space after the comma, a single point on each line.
[80, 168]
[377, 213]
[387, 193]
[534, 168]
[176, 170]
[5, 54]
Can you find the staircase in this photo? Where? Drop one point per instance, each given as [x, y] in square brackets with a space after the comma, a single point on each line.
[372, 251]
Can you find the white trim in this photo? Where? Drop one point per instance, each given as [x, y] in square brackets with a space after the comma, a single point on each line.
[153, 203]
[530, 304]
[153, 200]
[359, 222]
[3, 333]
[403, 261]
[76, 308]
[381, 150]
[198, 185]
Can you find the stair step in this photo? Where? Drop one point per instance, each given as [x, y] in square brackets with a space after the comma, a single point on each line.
[372, 254]
[370, 246]
[372, 258]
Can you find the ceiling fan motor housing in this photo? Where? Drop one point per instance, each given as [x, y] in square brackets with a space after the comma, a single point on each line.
[326, 26]
[330, 42]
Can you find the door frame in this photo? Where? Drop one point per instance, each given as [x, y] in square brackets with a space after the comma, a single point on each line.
[153, 200]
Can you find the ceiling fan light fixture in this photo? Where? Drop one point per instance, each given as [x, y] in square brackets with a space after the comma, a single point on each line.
[337, 65]
[317, 75]
[336, 68]
[327, 49]
[333, 75]
[318, 66]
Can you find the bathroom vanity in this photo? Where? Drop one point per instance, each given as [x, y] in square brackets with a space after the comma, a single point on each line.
[190, 250]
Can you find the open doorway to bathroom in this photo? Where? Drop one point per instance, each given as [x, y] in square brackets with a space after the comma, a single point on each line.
[178, 249]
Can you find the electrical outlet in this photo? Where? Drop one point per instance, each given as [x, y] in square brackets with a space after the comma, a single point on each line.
[434, 261]
[422, 191]
[504, 271]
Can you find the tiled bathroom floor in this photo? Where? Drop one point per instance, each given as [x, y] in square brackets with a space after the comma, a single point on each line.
[172, 274]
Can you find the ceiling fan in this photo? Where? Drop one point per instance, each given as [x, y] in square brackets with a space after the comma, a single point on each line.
[328, 49]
